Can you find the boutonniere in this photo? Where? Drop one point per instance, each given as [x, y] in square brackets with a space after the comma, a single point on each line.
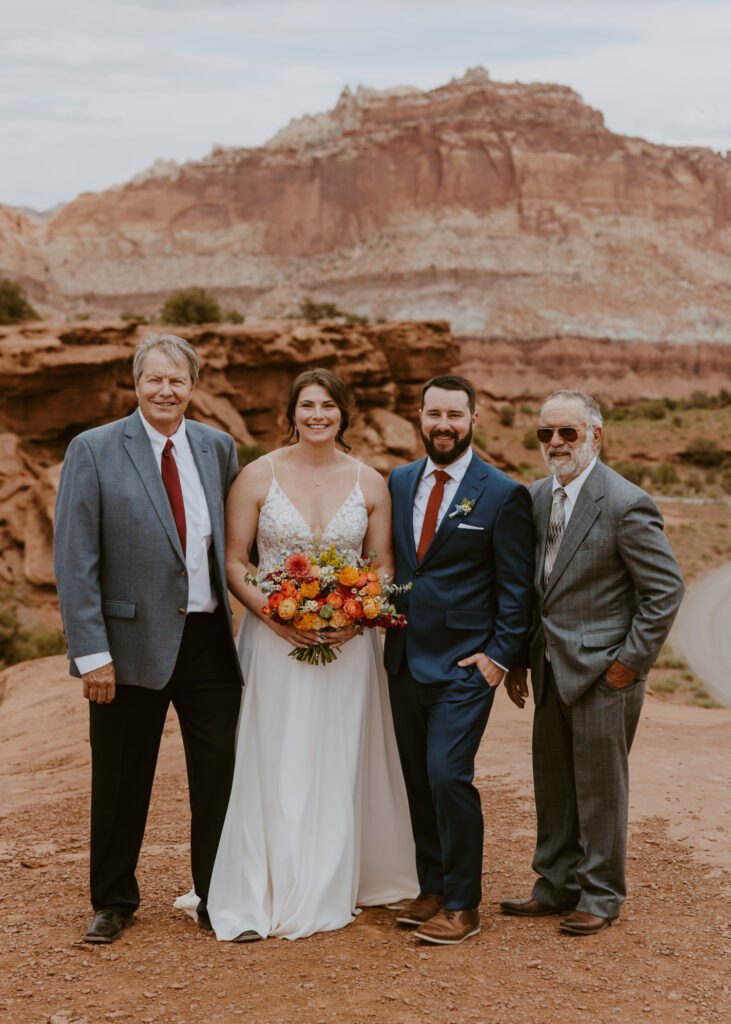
[463, 508]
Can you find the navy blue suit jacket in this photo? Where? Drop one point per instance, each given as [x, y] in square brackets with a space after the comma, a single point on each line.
[473, 589]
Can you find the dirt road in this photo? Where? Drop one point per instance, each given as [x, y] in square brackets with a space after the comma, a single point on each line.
[662, 963]
[702, 632]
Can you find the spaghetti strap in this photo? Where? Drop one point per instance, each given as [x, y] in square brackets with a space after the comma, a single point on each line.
[274, 475]
[360, 466]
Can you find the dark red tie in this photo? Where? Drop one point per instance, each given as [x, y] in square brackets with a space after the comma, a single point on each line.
[171, 479]
[429, 527]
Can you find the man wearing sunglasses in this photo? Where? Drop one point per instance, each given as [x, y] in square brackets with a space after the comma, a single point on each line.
[608, 588]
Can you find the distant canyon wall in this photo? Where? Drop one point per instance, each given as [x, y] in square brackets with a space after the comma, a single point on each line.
[508, 209]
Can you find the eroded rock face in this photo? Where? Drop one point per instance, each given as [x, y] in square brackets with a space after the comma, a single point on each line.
[509, 209]
[56, 382]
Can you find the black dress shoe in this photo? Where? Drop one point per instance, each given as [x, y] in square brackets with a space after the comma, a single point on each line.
[248, 936]
[204, 921]
[106, 926]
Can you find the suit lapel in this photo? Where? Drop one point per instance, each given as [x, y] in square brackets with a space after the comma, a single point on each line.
[471, 487]
[586, 510]
[541, 515]
[407, 508]
[139, 449]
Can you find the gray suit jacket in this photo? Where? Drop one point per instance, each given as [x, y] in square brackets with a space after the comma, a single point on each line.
[615, 586]
[120, 569]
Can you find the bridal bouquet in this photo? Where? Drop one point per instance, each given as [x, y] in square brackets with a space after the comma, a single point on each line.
[324, 590]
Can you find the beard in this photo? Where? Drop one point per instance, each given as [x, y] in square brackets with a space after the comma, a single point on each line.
[445, 456]
[567, 470]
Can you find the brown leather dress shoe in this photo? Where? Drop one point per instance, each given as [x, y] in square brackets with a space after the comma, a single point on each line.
[420, 910]
[580, 923]
[448, 927]
[528, 908]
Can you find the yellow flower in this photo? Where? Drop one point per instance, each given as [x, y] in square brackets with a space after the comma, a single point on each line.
[371, 607]
[287, 609]
[348, 576]
[310, 589]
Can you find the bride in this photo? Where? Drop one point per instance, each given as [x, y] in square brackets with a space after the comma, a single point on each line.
[318, 821]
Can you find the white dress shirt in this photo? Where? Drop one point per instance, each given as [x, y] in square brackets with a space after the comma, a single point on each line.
[201, 596]
[456, 471]
[573, 490]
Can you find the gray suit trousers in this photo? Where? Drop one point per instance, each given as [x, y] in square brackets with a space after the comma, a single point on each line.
[581, 779]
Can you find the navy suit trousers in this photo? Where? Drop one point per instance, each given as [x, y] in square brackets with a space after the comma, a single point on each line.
[438, 728]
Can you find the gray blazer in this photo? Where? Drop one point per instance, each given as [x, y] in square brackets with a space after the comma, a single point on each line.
[120, 569]
[615, 586]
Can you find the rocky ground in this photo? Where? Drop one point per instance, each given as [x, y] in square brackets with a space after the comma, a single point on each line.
[663, 962]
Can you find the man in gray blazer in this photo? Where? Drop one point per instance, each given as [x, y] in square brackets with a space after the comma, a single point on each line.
[608, 588]
[140, 569]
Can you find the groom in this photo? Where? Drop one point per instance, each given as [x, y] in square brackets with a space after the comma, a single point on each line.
[463, 539]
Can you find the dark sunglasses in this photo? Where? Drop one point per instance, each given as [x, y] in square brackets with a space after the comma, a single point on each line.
[545, 434]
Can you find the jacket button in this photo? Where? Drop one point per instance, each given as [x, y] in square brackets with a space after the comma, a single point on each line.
[418, 572]
[182, 611]
[183, 572]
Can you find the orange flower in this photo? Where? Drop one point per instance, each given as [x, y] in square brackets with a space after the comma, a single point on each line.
[297, 566]
[353, 609]
[287, 609]
[348, 576]
[266, 610]
[339, 619]
[288, 589]
[275, 600]
[336, 600]
[371, 607]
[372, 577]
[311, 589]
[373, 588]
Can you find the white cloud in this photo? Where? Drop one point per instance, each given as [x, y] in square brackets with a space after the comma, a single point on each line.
[92, 91]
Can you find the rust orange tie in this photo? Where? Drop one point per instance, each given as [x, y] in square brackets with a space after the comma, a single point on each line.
[429, 527]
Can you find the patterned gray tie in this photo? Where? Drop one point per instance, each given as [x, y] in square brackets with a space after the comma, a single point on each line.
[555, 531]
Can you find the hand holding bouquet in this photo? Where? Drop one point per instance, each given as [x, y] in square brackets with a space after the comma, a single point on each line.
[327, 590]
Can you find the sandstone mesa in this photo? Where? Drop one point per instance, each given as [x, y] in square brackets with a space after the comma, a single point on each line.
[507, 208]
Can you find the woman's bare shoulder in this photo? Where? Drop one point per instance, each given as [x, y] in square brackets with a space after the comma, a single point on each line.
[371, 482]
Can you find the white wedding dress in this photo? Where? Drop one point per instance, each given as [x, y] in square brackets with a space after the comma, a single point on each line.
[318, 821]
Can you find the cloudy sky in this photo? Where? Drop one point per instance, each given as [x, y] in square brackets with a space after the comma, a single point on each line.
[93, 91]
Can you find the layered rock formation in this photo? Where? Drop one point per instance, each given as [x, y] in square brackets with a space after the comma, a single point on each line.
[509, 209]
[57, 382]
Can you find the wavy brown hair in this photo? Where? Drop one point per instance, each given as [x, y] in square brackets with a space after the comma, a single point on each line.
[335, 387]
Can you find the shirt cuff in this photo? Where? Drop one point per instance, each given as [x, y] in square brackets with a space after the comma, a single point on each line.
[90, 662]
[502, 667]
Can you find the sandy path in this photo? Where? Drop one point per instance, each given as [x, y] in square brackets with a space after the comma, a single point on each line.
[661, 964]
[702, 632]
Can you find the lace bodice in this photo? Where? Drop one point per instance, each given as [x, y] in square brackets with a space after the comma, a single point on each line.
[281, 525]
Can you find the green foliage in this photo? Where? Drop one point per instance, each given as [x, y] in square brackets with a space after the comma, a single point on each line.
[14, 306]
[234, 317]
[191, 306]
[507, 415]
[705, 452]
[19, 644]
[249, 453]
[530, 441]
[313, 311]
[137, 317]
[480, 438]
[527, 410]
[726, 480]
[653, 410]
[635, 472]
[665, 475]
[667, 658]
[668, 684]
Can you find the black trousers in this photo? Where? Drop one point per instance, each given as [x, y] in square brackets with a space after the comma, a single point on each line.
[205, 691]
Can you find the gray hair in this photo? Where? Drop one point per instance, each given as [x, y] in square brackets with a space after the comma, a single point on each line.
[592, 412]
[177, 349]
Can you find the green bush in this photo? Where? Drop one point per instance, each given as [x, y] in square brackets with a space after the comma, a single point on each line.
[705, 452]
[668, 684]
[313, 311]
[530, 441]
[14, 306]
[726, 480]
[665, 474]
[137, 317]
[191, 306]
[507, 415]
[19, 644]
[249, 453]
[234, 317]
[480, 438]
[667, 658]
[635, 472]
[653, 410]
